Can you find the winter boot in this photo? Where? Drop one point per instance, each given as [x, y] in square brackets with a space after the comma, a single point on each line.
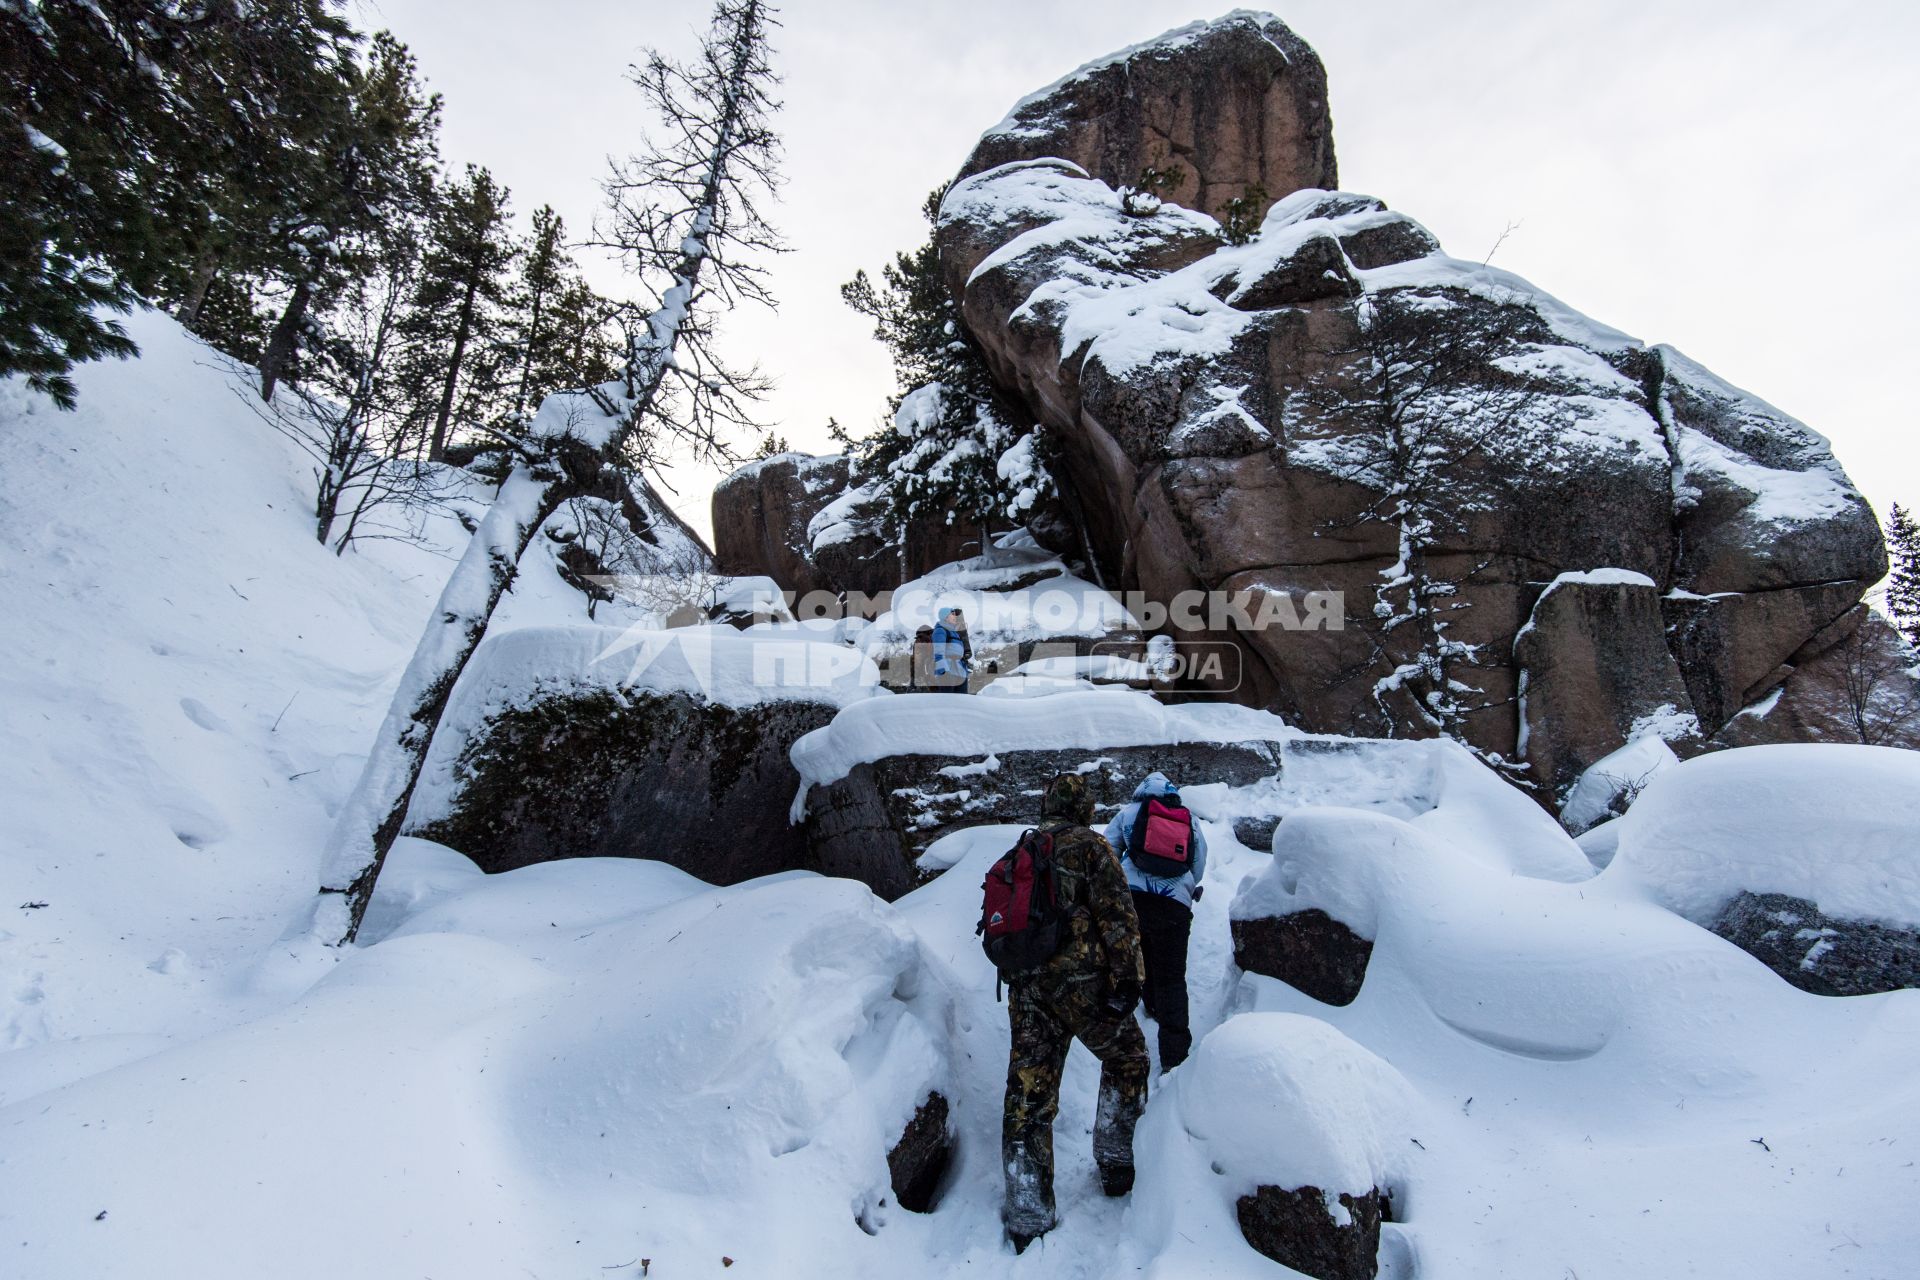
[1028, 1213]
[1116, 1179]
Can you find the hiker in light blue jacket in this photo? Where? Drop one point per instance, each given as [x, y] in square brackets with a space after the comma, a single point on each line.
[952, 652]
[1165, 907]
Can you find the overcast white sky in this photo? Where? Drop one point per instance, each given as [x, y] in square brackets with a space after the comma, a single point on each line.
[1737, 178]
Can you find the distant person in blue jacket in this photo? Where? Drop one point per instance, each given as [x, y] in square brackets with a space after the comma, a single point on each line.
[952, 652]
[1164, 902]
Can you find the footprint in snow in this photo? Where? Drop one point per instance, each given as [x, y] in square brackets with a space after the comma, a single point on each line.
[203, 715]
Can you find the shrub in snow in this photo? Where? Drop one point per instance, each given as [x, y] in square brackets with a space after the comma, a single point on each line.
[1836, 825]
[1293, 1128]
[1614, 782]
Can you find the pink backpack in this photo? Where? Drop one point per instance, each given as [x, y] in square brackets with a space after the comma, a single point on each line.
[1161, 842]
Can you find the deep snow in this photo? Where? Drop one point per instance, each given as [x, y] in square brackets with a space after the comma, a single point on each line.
[567, 1069]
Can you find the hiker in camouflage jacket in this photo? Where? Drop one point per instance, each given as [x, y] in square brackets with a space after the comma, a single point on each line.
[1088, 991]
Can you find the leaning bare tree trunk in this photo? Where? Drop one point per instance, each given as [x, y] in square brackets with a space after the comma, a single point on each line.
[206, 269]
[366, 828]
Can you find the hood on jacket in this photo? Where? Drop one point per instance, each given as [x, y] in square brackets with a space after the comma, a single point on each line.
[1067, 797]
[1154, 784]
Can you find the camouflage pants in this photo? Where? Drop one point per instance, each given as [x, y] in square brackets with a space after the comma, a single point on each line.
[1046, 1018]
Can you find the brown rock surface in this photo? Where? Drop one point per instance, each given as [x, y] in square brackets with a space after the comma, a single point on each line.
[1309, 950]
[761, 512]
[1229, 104]
[1293, 1227]
[1856, 681]
[919, 1160]
[767, 520]
[1598, 672]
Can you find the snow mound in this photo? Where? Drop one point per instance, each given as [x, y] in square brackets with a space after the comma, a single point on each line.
[1621, 773]
[1438, 785]
[1330, 1115]
[553, 1072]
[1838, 825]
[193, 681]
[1344, 862]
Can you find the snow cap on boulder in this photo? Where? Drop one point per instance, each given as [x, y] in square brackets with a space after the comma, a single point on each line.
[1837, 825]
[1284, 1100]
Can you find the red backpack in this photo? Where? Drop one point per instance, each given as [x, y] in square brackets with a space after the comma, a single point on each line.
[1161, 842]
[1022, 920]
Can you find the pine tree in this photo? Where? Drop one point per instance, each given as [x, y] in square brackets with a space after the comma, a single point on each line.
[951, 447]
[368, 159]
[457, 326]
[1903, 573]
[124, 116]
[543, 274]
[561, 330]
[688, 216]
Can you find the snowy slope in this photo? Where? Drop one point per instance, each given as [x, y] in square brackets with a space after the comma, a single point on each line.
[191, 681]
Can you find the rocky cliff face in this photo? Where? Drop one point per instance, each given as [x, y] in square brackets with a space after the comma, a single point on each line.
[1234, 416]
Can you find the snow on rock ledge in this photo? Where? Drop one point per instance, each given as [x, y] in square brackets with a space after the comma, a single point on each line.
[936, 725]
[588, 741]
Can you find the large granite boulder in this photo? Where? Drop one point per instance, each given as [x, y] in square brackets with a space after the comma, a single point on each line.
[1856, 680]
[1220, 411]
[592, 774]
[1228, 105]
[761, 512]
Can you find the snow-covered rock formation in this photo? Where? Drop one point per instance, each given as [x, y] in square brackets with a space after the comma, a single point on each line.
[584, 741]
[1228, 414]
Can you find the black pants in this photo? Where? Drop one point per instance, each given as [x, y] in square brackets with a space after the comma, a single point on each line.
[1164, 926]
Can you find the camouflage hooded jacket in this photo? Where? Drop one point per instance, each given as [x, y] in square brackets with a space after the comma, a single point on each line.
[1104, 936]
